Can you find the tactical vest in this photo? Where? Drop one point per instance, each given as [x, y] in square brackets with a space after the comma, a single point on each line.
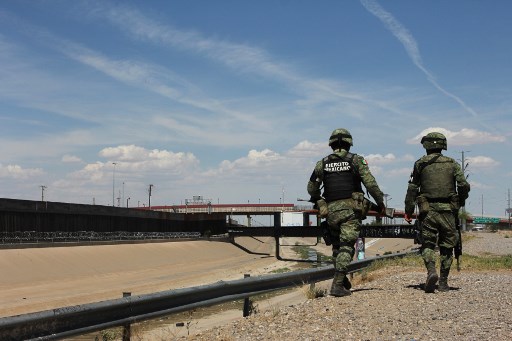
[437, 179]
[339, 177]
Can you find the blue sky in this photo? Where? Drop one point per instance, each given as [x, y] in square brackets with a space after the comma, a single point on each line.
[235, 100]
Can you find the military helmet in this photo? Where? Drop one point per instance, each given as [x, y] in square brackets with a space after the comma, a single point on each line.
[340, 135]
[434, 140]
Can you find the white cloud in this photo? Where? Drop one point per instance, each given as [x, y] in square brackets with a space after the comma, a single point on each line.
[482, 162]
[71, 159]
[308, 149]
[93, 172]
[403, 172]
[132, 157]
[255, 161]
[379, 159]
[17, 172]
[408, 157]
[376, 170]
[463, 137]
[478, 185]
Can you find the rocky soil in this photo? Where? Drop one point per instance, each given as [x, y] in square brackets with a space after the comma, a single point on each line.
[394, 306]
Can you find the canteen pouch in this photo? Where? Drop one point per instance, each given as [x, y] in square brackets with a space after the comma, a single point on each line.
[423, 206]
[366, 208]
[454, 202]
[358, 204]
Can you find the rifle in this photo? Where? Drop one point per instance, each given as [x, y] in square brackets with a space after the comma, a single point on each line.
[418, 238]
[458, 248]
[389, 212]
[326, 233]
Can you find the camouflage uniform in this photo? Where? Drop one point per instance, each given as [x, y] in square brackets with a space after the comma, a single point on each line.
[438, 186]
[344, 221]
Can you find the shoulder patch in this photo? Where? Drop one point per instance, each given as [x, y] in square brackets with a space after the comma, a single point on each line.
[364, 162]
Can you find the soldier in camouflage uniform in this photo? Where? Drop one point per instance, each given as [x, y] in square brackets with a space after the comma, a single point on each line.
[341, 174]
[438, 186]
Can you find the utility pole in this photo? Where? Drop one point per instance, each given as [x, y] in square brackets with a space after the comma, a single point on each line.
[508, 210]
[43, 187]
[114, 184]
[464, 166]
[149, 191]
[386, 198]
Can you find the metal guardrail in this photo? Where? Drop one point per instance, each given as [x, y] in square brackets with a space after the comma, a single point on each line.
[374, 231]
[405, 231]
[81, 319]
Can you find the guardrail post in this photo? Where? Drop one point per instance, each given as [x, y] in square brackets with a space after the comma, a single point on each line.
[247, 301]
[127, 328]
[277, 226]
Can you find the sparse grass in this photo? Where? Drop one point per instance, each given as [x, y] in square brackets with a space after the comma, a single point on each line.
[280, 270]
[467, 237]
[109, 334]
[411, 261]
[486, 262]
[305, 252]
[311, 291]
[253, 308]
[274, 310]
[467, 262]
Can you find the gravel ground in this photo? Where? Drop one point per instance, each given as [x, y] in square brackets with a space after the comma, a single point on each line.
[487, 243]
[395, 307]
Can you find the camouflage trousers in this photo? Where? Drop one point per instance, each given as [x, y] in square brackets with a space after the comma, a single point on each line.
[344, 226]
[438, 228]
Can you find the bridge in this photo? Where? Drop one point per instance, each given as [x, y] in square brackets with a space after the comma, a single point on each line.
[269, 209]
[234, 209]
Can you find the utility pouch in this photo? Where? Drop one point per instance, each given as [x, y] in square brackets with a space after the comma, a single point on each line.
[323, 210]
[358, 204]
[454, 202]
[423, 205]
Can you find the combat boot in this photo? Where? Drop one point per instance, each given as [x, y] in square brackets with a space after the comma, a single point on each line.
[337, 287]
[432, 277]
[346, 283]
[335, 252]
[443, 282]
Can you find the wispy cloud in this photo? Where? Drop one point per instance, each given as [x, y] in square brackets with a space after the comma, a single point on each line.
[246, 59]
[153, 78]
[411, 47]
